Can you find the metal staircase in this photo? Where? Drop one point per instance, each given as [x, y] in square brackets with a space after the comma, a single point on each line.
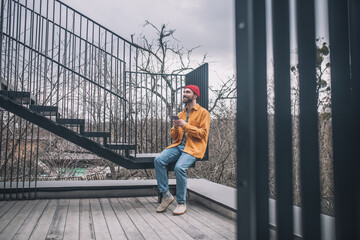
[42, 116]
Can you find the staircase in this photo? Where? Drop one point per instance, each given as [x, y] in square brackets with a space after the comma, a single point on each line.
[48, 117]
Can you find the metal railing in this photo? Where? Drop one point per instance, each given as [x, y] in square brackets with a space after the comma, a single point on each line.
[60, 63]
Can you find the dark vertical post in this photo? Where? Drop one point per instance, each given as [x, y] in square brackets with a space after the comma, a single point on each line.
[283, 123]
[1, 33]
[261, 121]
[354, 7]
[136, 97]
[342, 122]
[309, 141]
[245, 125]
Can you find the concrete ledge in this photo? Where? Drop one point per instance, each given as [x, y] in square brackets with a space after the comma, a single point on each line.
[217, 197]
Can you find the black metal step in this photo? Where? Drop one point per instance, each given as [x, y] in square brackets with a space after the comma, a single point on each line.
[46, 110]
[19, 97]
[96, 134]
[72, 122]
[121, 146]
[104, 135]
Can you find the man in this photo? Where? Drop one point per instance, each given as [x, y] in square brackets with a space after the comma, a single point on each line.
[190, 134]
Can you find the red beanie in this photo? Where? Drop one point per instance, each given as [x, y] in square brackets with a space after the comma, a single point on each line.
[195, 89]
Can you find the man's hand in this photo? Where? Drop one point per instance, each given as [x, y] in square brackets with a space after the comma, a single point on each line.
[179, 123]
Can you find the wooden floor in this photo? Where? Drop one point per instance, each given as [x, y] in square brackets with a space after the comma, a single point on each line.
[109, 218]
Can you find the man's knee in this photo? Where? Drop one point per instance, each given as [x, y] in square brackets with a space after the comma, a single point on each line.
[179, 170]
[158, 161]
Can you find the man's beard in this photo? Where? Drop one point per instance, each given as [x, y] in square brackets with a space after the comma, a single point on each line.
[186, 100]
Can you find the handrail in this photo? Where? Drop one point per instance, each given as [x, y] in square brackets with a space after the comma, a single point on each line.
[127, 41]
[67, 68]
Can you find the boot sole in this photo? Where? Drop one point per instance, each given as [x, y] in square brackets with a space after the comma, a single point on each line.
[177, 214]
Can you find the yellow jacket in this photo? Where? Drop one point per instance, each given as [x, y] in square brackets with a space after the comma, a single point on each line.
[197, 131]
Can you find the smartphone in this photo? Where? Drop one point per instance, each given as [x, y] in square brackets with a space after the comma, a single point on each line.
[175, 117]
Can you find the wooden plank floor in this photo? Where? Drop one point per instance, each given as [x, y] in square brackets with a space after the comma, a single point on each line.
[109, 218]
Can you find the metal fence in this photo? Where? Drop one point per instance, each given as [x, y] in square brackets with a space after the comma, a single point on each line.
[252, 43]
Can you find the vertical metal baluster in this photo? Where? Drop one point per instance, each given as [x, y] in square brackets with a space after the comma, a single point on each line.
[111, 113]
[8, 43]
[17, 52]
[130, 97]
[174, 97]
[46, 51]
[73, 55]
[161, 115]
[105, 71]
[40, 46]
[151, 114]
[12, 157]
[136, 97]
[124, 94]
[59, 58]
[6, 38]
[1, 36]
[79, 77]
[122, 103]
[98, 78]
[52, 55]
[156, 115]
[37, 160]
[25, 158]
[2, 124]
[64, 89]
[166, 113]
[11, 51]
[36, 57]
[147, 113]
[141, 114]
[92, 71]
[85, 71]
[30, 160]
[117, 78]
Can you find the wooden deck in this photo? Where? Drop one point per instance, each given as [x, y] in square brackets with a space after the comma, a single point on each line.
[109, 218]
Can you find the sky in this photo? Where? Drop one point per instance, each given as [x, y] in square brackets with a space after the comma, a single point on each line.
[205, 23]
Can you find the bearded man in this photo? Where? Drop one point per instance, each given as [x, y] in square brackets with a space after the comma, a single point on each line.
[190, 134]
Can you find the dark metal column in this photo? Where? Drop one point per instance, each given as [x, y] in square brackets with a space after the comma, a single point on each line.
[354, 7]
[261, 121]
[309, 140]
[342, 121]
[245, 124]
[283, 122]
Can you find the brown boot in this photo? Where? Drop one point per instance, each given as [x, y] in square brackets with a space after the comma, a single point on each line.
[165, 202]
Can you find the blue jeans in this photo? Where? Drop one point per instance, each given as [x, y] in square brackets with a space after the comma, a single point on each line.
[184, 161]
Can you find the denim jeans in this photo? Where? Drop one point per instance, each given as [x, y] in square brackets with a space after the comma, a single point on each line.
[184, 161]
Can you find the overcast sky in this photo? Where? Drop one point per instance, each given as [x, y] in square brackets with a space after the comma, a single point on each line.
[205, 23]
